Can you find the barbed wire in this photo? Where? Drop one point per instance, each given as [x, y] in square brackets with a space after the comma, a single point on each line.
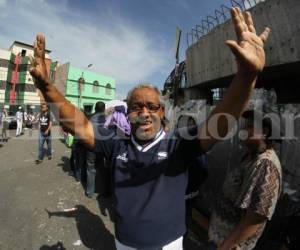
[220, 16]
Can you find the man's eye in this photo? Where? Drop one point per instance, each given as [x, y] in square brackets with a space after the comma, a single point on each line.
[135, 107]
[153, 106]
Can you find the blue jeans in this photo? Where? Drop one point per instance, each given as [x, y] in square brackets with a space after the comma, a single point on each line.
[91, 172]
[42, 139]
[97, 177]
[78, 161]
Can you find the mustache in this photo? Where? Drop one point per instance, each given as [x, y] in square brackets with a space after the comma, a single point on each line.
[140, 119]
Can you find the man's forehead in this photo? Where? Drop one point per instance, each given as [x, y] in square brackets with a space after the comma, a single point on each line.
[144, 94]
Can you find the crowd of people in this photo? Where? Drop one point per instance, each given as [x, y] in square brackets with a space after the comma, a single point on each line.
[21, 121]
[28, 121]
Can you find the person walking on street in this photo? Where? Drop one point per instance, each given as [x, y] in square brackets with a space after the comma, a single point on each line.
[150, 168]
[4, 125]
[19, 117]
[44, 118]
[94, 163]
[29, 123]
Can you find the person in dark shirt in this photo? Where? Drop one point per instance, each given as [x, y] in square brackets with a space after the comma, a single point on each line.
[150, 167]
[78, 158]
[95, 163]
[4, 124]
[45, 121]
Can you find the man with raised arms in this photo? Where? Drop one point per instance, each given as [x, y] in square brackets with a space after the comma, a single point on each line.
[149, 168]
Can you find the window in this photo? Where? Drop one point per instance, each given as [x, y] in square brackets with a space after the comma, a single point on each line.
[108, 89]
[95, 86]
[81, 82]
[29, 88]
[20, 87]
[4, 63]
[23, 53]
[2, 84]
[216, 94]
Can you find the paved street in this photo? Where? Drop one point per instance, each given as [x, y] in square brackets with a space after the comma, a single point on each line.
[28, 191]
[33, 199]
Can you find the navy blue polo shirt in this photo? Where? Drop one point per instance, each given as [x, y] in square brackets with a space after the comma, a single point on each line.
[149, 185]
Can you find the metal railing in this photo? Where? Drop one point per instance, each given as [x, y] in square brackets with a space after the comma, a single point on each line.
[220, 16]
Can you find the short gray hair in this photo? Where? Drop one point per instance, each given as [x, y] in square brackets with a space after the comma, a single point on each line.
[145, 86]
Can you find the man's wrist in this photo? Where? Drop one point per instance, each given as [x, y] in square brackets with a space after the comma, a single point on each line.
[248, 74]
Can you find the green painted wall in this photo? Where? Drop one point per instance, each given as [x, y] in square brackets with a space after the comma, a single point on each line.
[90, 93]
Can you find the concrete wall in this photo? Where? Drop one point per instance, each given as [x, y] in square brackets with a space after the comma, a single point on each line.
[210, 59]
[17, 48]
[31, 98]
[5, 54]
[61, 77]
[2, 96]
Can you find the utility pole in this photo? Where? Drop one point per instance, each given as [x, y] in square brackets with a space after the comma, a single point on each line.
[81, 82]
[176, 75]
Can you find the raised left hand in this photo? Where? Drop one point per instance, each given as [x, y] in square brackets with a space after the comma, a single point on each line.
[249, 47]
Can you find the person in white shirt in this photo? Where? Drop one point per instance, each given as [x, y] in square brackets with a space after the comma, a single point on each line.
[19, 117]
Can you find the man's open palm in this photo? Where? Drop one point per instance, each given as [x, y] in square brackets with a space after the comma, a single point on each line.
[249, 47]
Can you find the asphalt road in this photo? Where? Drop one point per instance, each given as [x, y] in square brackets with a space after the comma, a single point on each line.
[35, 202]
[33, 198]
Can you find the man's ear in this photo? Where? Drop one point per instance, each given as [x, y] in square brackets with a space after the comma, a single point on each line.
[162, 113]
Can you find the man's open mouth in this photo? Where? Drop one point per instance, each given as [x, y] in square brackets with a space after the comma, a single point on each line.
[145, 124]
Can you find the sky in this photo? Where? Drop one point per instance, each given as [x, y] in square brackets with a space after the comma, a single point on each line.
[132, 41]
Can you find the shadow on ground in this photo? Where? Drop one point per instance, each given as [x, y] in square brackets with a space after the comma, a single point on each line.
[106, 206]
[91, 229]
[57, 246]
[65, 164]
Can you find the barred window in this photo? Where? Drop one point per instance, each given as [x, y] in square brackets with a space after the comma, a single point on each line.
[95, 86]
[2, 84]
[4, 63]
[108, 89]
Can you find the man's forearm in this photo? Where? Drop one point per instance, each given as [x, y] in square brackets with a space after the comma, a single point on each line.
[233, 104]
[241, 233]
[235, 100]
[49, 128]
[70, 118]
[247, 227]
